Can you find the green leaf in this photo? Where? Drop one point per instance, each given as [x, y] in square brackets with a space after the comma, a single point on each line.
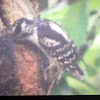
[79, 86]
[76, 21]
[94, 5]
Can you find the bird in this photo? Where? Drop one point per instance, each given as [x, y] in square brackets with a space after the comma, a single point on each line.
[54, 42]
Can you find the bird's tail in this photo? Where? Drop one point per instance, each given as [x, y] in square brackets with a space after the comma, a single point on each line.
[76, 71]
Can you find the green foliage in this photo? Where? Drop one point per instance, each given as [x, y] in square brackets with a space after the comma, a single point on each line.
[81, 87]
[75, 20]
[94, 5]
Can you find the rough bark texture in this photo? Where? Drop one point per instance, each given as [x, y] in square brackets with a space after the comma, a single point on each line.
[20, 72]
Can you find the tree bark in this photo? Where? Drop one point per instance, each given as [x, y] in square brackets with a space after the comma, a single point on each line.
[20, 71]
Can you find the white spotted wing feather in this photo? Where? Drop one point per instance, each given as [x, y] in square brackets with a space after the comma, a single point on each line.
[58, 45]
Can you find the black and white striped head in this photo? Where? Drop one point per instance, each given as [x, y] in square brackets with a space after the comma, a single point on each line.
[22, 27]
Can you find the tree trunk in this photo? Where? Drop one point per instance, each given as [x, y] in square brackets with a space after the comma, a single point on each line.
[20, 70]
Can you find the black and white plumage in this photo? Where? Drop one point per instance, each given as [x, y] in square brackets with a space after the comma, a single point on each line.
[59, 46]
[54, 42]
[22, 26]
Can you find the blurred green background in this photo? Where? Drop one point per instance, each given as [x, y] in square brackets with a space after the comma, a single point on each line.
[81, 20]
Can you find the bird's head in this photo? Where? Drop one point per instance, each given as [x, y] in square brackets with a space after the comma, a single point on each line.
[22, 28]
